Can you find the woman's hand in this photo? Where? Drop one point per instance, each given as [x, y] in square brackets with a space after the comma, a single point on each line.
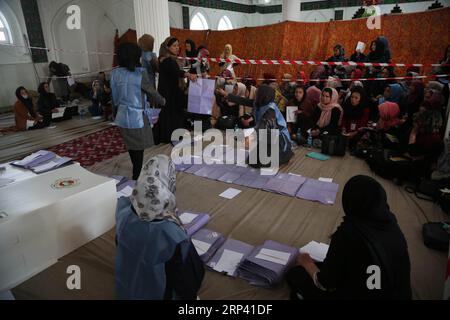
[315, 133]
[304, 260]
[191, 76]
[222, 92]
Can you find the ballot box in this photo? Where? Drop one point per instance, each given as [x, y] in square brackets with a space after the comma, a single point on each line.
[47, 216]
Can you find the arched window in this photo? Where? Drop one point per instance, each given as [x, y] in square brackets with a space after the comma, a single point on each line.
[224, 24]
[5, 32]
[199, 22]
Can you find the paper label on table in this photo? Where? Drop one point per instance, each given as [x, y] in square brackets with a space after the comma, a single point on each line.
[291, 116]
[187, 217]
[228, 262]
[271, 259]
[230, 193]
[201, 246]
[326, 179]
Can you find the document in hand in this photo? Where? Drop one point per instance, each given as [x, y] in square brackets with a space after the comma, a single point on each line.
[59, 114]
[266, 265]
[194, 221]
[206, 242]
[201, 96]
[229, 256]
[318, 251]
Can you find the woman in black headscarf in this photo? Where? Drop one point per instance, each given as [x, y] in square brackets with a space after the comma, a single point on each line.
[47, 103]
[368, 239]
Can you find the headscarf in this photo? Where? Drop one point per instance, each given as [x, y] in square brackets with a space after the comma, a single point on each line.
[416, 93]
[229, 56]
[436, 101]
[241, 89]
[334, 83]
[397, 93]
[314, 94]
[252, 93]
[385, 51]
[264, 95]
[368, 218]
[27, 102]
[164, 51]
[193, 53]
[153, 198]
[436, 86]
[325, 116]
[389, 113]
[341, 56]
[355, 112]
[146, 43]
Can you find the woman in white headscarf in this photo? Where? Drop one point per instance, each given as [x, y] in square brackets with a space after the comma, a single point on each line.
[155, 258]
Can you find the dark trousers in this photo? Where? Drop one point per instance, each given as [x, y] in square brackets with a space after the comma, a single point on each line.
[46, 119]
[137, 159]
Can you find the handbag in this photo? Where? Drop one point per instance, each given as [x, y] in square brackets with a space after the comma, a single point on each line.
[334, 145]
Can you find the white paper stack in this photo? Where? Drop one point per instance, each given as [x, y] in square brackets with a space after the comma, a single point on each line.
[318, 251]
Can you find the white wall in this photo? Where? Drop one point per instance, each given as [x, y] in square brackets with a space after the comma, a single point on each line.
[99, 19]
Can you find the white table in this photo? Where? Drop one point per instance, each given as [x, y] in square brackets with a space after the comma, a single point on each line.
[42, 223]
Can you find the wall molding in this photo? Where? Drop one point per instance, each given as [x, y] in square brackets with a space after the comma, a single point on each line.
[230, 6]
[330, 4]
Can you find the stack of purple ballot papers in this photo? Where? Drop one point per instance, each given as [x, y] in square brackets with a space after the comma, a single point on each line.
[42, 161]
[193, 221]
[228, 257]
[321, 191]
[266, 265]
[233, 173]
[285, 183]
[206, 242]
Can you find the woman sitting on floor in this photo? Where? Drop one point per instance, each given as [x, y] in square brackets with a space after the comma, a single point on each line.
[329, 114]
[155, 258]
[47, 103]
[368, 255]
[24, 112]
[305, 120]
[96, 109]
[356, 112]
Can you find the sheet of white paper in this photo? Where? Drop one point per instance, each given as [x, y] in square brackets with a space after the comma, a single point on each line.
[326, 179]
[30, 123]
[361, 46]
[317, 251]
[248, 132]
[187, 217]
[228, 262]
[60, 113]
[291, 117]
[201, 246]
[5, 182]
[276, 254]
[230, 193]
[271, 259]
[70, 81]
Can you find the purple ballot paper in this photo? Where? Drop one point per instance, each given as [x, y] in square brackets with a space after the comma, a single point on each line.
[285, 183]
[201, 96]
[206, 242]
[193, 221]
[321, 191]
[246, 179]
[233, 173]
[266, 265]
[34, 159]
[229, 256]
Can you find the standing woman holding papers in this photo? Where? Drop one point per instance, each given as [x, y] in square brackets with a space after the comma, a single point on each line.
[368, 255]
[155, 258]
[170, 75]
[129, 86]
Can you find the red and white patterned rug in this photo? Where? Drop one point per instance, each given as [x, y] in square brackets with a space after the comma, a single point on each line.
[93, 148]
